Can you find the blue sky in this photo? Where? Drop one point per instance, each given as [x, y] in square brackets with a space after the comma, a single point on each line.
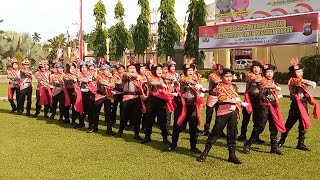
[51, 17]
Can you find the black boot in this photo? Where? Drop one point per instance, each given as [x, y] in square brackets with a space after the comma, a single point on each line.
[242, 137]
[165, 139]
[28, 113]
[193, 145]
[282, 141]
[19, 112]
[66, 121]
[92, 129]
[109, 131]
[246, 147]
[51, 117]
[137, 136]
[147, 139]
[301, 145]
[205, 153]
[259, 141]
[274, 148]
[232, 156]
[119, 133]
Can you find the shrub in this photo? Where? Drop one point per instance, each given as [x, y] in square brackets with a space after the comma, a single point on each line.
[311, 67]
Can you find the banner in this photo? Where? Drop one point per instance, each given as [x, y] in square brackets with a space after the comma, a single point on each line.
[234, 10]
[286, 30]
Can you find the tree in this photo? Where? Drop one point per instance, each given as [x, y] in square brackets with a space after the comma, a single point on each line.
[140, 32]
[120, 39]
[197, 17]
[168, 29]
[99, 43]
[58, 42]
[36, 37]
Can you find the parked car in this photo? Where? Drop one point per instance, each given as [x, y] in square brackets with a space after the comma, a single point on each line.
[241, 64]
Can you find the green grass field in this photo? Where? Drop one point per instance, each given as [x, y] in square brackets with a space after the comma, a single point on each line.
[43, 149]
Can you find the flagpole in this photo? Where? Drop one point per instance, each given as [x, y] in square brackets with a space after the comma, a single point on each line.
[80, 34]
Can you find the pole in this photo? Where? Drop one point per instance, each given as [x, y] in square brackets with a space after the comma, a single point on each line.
[80, 34]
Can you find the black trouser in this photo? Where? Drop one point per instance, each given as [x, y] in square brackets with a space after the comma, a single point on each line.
[156, 108]
[131, 111]
[229, 120]
[117, 99]
[26, 93]
[293, 117]
[258, 129]
[256, 112]
[13, 105]
[88, 107]
[191, 118]
[209, 113]
[59, 98]
[38, 106]
[107, 113]
[74, 113]
[143, 116]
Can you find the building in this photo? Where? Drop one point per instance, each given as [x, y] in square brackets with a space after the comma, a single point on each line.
[278, 55]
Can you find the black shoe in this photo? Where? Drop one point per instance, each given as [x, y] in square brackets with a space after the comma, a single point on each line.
[166, 141]
[129, 127]
[203, 133]
[66, 121]
[118, 135]
[242, 138]
[259, 141]
[28, 114]
[223, 135]
[92, 130]
[19, 112]
[61, 121]
[51, 117]
[204, 154]
[246, 147]
[13, 110]
[281, 142]
[110, 132]
[145, 141]
[170, 147]
[303, 147]
[276, 151]
[235, 160]
[137, 137]
[195, 150]
[80, 125]
[35, 115]
[46, 116]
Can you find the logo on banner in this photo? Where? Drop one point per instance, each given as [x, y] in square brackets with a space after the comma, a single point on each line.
[205, 37]
[307, 30]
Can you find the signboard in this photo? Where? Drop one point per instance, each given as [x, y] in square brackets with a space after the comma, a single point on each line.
[285, 30]
[235, 10]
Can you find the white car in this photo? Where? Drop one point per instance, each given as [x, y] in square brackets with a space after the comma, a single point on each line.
[241, 63]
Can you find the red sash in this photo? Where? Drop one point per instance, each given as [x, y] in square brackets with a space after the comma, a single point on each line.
[304, 114]
[10, 94]
[248, 100]
[78, 106]
[66, 96]
[276, 113]
[167, 97]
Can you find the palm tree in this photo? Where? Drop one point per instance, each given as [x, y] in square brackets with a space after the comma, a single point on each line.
[36, 37]
[58, 41]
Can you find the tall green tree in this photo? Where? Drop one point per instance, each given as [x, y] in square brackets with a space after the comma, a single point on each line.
[58, 41]
[99, 43]
[141, 32]
[121, 38]
[197, 17]
[168, 29]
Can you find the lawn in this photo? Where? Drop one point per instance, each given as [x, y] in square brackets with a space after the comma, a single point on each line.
[43, 149]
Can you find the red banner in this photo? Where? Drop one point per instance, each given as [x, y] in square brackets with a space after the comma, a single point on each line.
[285, 30]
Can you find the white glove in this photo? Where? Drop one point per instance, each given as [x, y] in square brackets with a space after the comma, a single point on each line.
[238, 99]
[75, 80]
[233, 107]
[244, 104]
[57, 82]
[280, 96]
[278, 88]
[314, 84]
[175, 94]
[198, 86]
[201, 95]
[138, 77]
[113, 92]
[164, 85]
[51, 86]
[204, 89]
